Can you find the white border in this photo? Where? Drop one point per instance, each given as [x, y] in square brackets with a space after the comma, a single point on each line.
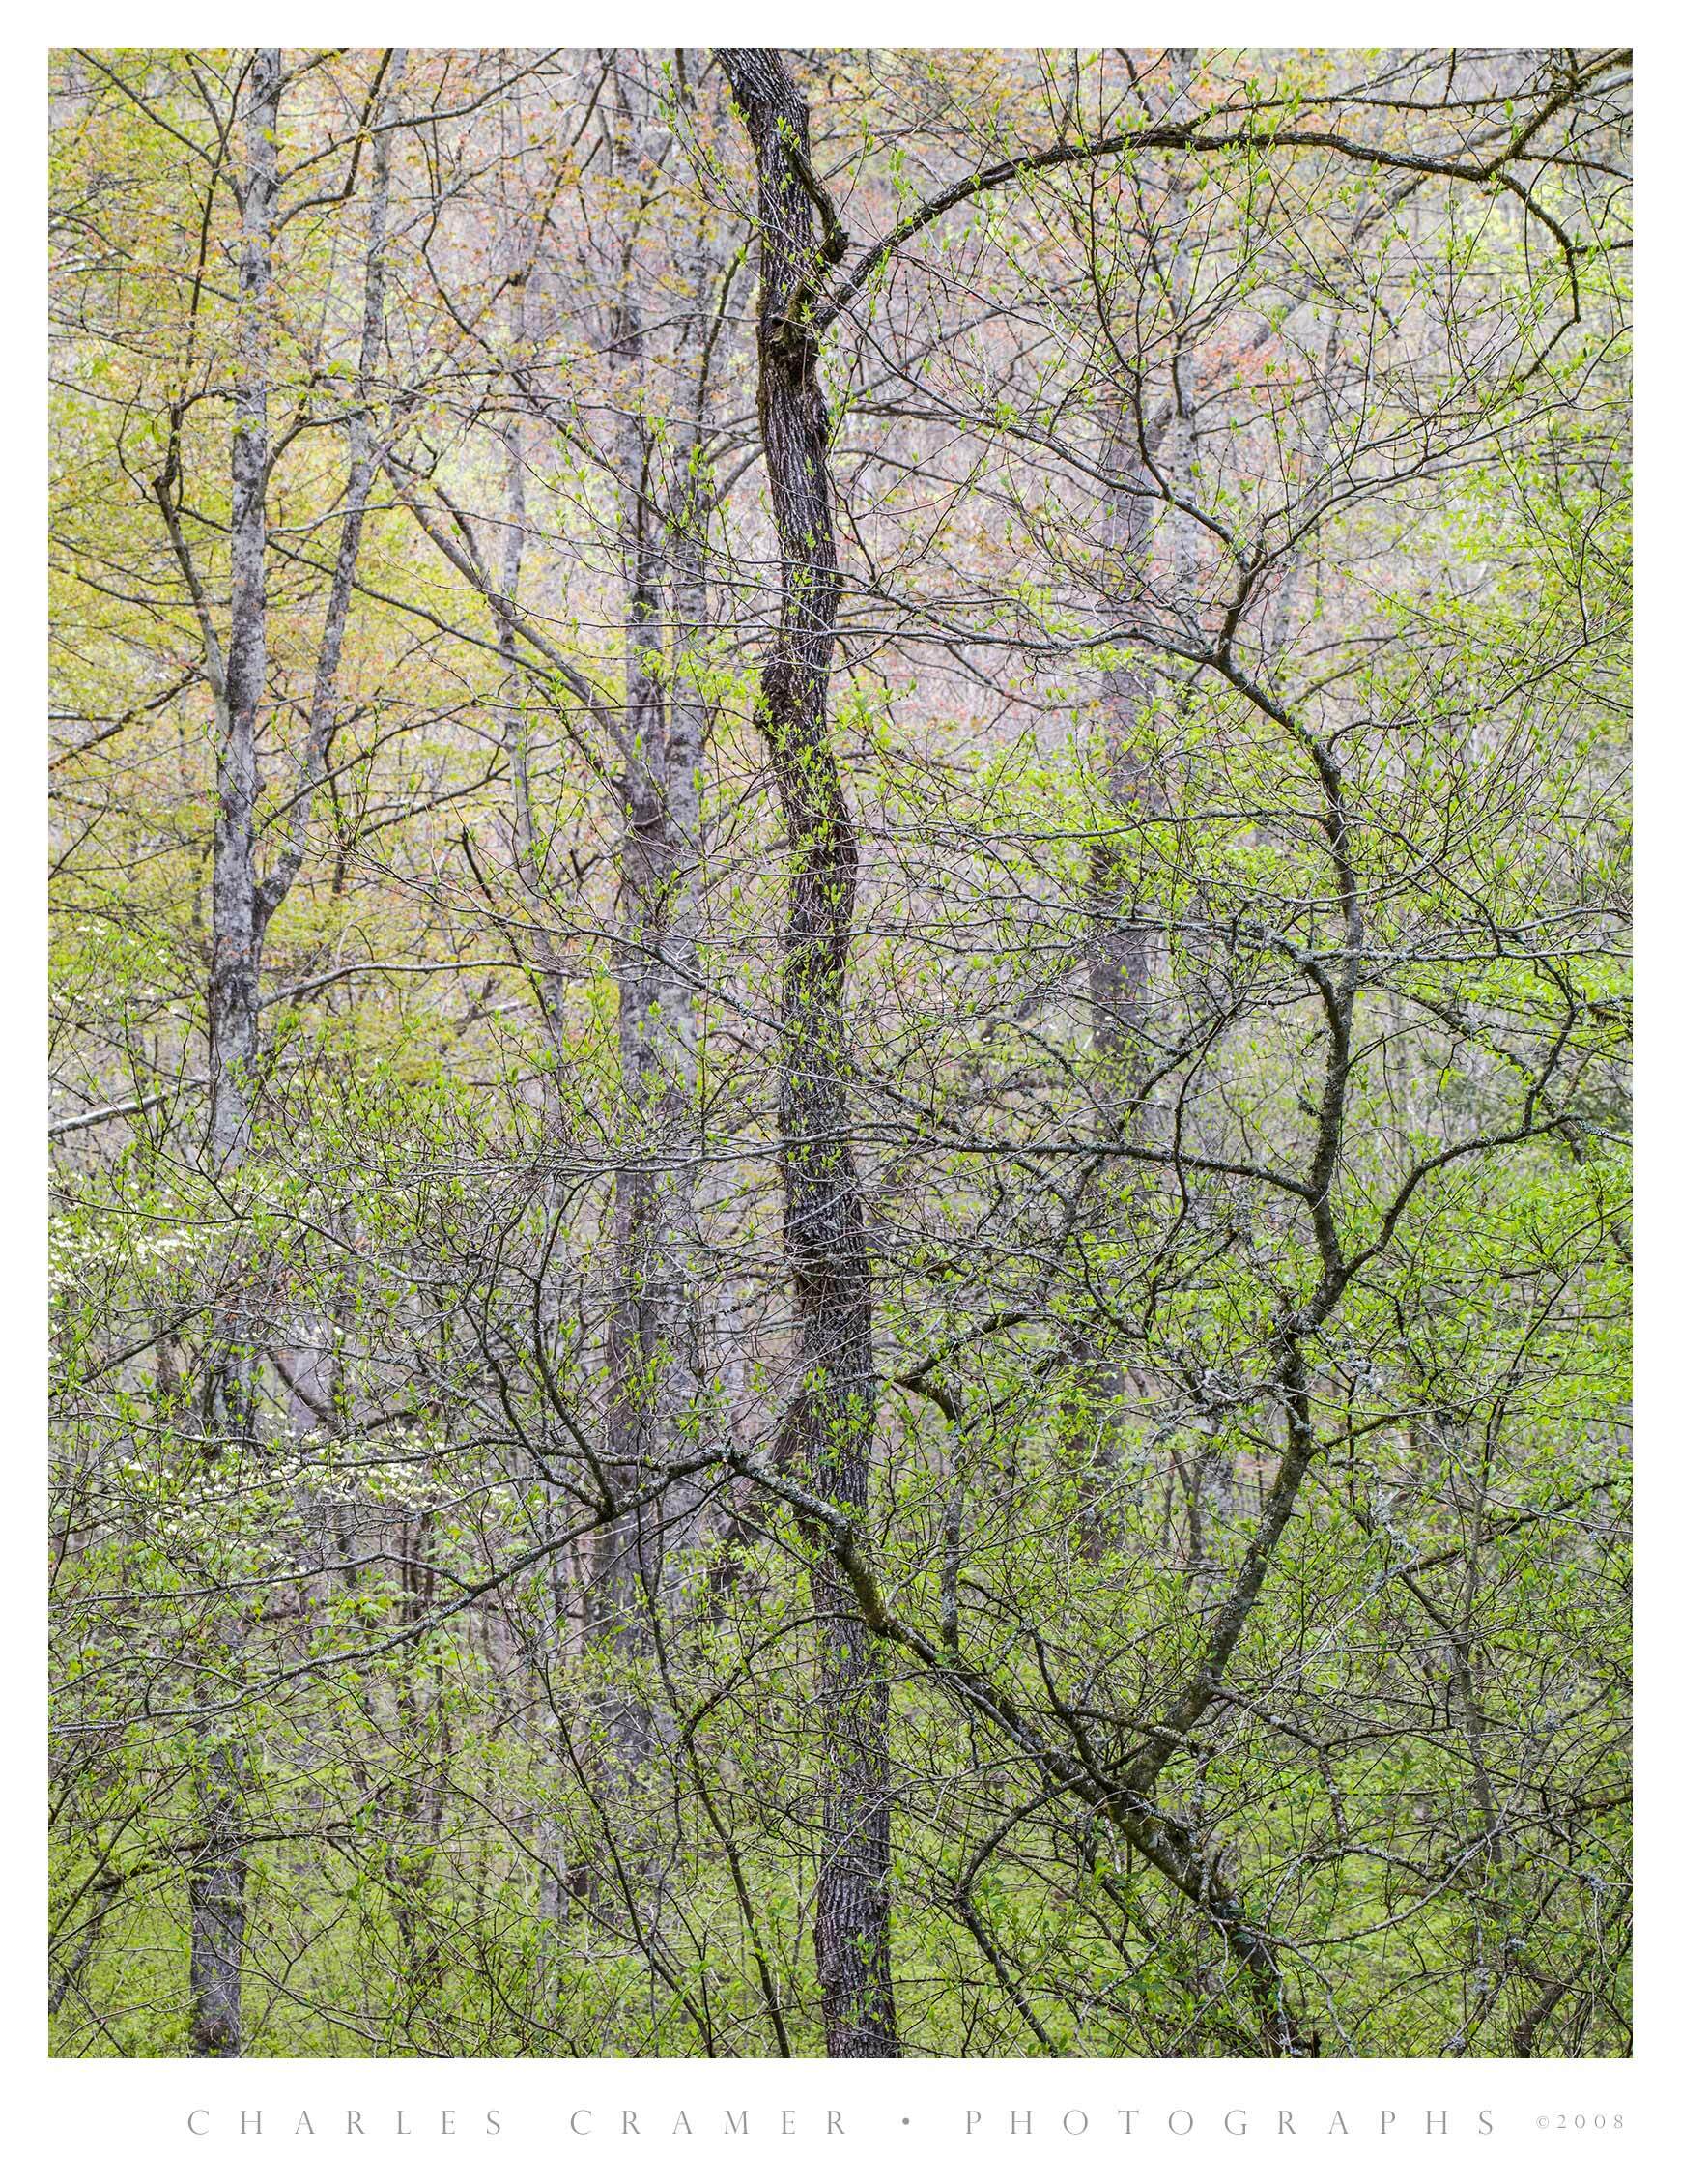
[129, 2121]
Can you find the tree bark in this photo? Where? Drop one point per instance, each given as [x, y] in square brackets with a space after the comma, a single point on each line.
[831, 1420]
[654, 1338]
[627, 1545]
[242, 907]
[217, 1879]
[1118, 960]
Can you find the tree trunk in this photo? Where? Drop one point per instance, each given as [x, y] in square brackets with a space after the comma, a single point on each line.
[217, 1881]
[626, 1546]
[242, 907]
[1118, 962]
[831, 1419]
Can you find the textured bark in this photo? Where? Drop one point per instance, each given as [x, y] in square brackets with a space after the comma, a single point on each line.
[217, 1905]
[672, 850]
[360, 430]
[626, 1545]
[1119, 963]
[654, 1334]
[1120, 942]
[1150, 555]
[549, 977]
[831, 1420]
[234, 935]
[242, 907]
[1147, 458]
[216, 1878]
[548, 970]
[1210, 1476]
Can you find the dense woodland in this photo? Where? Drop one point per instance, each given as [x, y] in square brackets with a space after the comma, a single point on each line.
[839, 1052]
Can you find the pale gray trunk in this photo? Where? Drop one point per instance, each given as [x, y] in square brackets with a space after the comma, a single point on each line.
[546, 963]
[1150, 545]
[656, 1338]
[1210, 1477]
[1121, 944]
[216, 1878]
[242, 907]
[1120, 948]
[626, 1546]
[681, 1305]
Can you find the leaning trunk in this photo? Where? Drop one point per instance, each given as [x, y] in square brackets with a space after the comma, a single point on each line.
[831, 1419]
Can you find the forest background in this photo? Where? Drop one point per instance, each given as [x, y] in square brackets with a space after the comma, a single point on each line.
[838, 1041]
